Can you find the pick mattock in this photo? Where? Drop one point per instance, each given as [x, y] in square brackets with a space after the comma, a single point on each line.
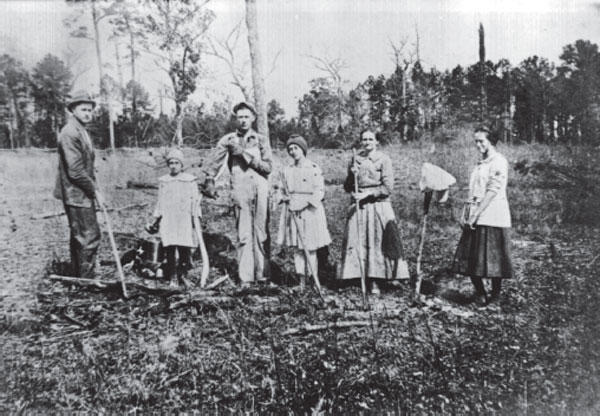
[433, 179]
[363, 278]
[301, 238]
[115, 251]
[196, 212]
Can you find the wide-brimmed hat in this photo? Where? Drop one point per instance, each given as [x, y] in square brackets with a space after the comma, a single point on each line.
[241, 105]
[80, 97]
[175, 154]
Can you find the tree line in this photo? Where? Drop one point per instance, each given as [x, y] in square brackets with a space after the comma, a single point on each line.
[535, 101]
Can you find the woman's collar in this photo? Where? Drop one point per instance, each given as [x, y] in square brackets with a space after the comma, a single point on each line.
[374, 155]
[303, 163]
[491, 155]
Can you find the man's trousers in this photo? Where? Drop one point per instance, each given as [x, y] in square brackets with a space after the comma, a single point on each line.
[85, 239]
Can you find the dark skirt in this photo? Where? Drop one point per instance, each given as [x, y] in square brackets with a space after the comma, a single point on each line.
[484, 252]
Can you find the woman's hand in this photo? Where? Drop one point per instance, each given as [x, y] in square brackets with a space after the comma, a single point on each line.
[359, 196]
[153, 227]
[297, 205]
[473, 220]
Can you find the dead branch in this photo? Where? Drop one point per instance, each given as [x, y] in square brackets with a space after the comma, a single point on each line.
[323, 327]
[58, 214]
[206, 303]
[218, 282]
[78, 281]
[363, 315]
[228, 55]
[273, 64]
[109, 285]
[331, 66]
[141, 185]
[593, 260]
[397, 50]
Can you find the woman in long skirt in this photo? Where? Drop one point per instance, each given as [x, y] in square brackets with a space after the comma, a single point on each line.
[484, 247]
[379, 249]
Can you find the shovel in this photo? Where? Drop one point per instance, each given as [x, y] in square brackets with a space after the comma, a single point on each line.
[433, 179]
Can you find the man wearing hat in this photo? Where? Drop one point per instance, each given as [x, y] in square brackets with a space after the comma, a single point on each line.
[76, 184]
[248, 156]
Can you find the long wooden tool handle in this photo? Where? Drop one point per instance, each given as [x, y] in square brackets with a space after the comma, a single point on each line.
[203, 252]
[307, 256]
[420, 257]
[363, 279]
[115, 251]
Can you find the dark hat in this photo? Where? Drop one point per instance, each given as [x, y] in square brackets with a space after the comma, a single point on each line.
[80, 97]
[241, 105]
[298, 141]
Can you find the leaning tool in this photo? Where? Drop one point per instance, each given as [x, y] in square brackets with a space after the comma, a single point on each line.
[115, 251]
[201, 245]
[434, 180]
[301, 238]
[363, 278]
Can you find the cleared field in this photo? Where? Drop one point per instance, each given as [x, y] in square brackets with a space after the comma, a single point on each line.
[72, 349]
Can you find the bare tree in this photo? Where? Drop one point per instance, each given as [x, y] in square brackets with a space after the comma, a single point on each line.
[98, 13]
[404, 59]
[72, 59]
[127, 25]
[227, 50]
[482, 95]
[178, 28]
[333, 68]
[258, 80]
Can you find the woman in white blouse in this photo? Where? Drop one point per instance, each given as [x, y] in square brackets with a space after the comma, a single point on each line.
[484, 247]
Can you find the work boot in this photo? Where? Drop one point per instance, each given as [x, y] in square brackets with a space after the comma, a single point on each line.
[480, 300]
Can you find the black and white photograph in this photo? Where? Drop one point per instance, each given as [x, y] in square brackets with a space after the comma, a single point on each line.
[302, 207]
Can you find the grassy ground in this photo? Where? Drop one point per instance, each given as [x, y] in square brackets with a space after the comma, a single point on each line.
[65, 348]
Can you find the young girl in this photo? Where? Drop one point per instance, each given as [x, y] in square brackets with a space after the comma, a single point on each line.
[177, 200]
[303, 190]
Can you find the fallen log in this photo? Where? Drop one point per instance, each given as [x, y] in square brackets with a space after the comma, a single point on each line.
[375, 314]
[206, 303]
[323, 327]
[78, 281]
[115, 285]
[141, 185]
[58, 214]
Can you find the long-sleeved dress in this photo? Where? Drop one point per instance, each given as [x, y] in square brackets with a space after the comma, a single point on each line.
[177, 202]
[381, 250]
[304, 182]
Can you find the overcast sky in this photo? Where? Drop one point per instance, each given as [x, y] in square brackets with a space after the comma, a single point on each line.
[358, 31]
